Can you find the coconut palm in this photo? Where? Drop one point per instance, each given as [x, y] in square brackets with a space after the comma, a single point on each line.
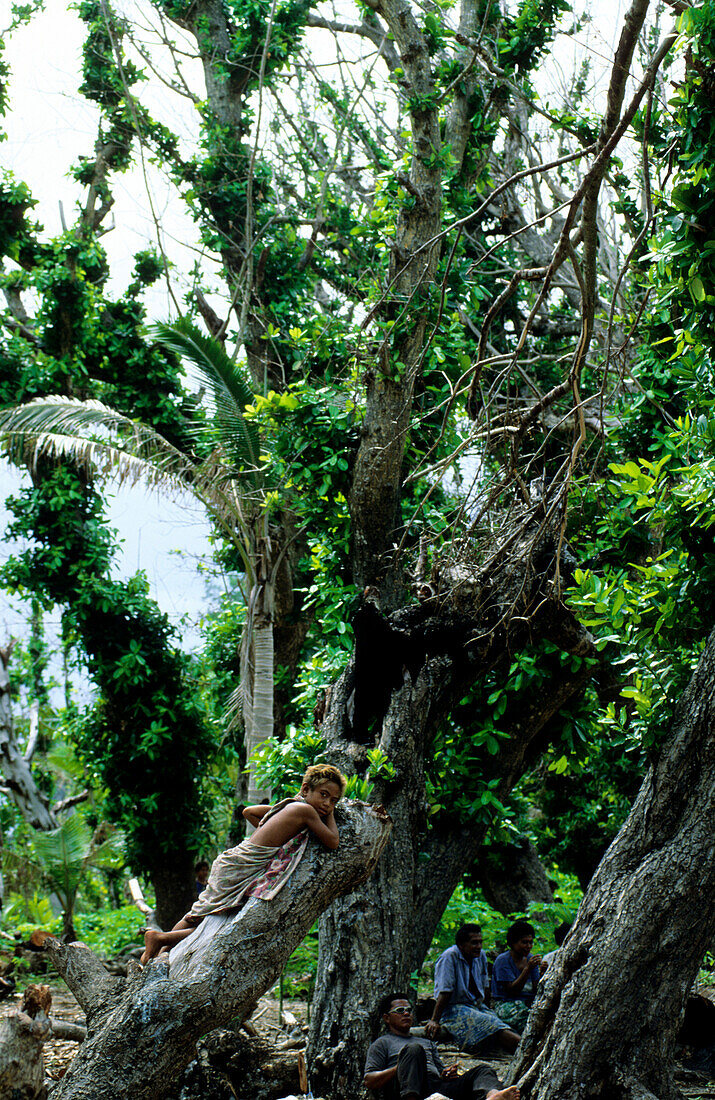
[227, 480]
[65, 854]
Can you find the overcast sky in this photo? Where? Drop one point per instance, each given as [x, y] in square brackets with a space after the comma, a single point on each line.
[48, 125]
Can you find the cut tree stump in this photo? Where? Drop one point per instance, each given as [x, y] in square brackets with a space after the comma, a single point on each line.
[142, 1032]
[22, 1036]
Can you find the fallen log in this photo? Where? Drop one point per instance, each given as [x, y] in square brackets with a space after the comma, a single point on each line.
[142, 1032]
[63, 1029]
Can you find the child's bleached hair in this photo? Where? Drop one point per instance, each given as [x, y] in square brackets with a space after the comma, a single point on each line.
[324, 773]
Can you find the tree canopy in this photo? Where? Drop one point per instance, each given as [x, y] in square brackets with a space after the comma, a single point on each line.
[451, 425]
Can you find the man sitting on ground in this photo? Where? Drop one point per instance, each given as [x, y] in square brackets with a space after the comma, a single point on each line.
[461, 989]
[515, 975]
[410, 1068]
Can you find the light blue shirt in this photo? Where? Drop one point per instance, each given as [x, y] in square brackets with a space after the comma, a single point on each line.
[451, 975]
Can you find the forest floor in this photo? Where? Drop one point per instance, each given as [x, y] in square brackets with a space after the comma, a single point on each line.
[286, 1032]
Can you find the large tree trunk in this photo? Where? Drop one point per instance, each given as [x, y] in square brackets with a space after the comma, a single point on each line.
[377, 476]
[512, 875]
[373, 941]
[174, 883]
[141, 1038]
[605, 1022]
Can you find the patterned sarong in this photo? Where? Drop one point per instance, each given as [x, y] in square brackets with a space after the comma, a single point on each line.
[248, 870]
[280, 868]
[514, 1013]
[470, 1025]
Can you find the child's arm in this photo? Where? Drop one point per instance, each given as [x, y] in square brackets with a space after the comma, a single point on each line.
[289, 821]
[324, 827]
[253, 814]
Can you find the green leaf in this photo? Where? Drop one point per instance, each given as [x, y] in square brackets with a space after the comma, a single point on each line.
[230, 392]
[697, 289]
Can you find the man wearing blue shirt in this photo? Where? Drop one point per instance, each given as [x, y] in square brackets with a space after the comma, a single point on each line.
[516, 975]
[460, 982]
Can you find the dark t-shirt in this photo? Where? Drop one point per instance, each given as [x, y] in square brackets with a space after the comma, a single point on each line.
[506, 971]
[383, 1054]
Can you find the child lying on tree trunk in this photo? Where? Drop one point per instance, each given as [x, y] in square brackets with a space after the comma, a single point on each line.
[261, 865]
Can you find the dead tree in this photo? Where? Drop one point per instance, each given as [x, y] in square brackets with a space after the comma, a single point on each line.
[142, 1033]
[20, 785]
[606, 1021]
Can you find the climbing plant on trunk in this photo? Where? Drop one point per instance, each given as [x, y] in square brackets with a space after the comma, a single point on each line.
[416, 277]
[228, 483]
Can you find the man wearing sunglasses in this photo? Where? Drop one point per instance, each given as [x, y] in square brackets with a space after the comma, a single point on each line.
[405, 1066]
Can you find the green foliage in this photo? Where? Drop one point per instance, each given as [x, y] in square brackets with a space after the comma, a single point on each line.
[464, 772]
[229, 390]
[15, 201]
[80, 545]
[65, 853]
[140, 719]
[149, 707]
[24, 913]
[298, 975]
[250, 19]
[282, 765]
[526, 35]
[110, 931]
[106, 85]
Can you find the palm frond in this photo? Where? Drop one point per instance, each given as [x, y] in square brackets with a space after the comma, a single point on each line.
[63, 427]
[58, 426]
[229, 389]
[233, 712]
[62, 853]
[62, 758]
[110, 853]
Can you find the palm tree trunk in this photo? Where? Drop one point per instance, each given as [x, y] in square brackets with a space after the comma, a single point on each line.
[261, 724]
[257, 656]
[69, 935]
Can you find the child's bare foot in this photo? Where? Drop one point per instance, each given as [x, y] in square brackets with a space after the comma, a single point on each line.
[512, 1093]
[152, 945]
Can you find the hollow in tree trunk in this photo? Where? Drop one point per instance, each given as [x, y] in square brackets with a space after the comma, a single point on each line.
[373, 941]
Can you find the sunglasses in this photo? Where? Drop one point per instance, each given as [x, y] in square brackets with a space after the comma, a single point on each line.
[400, 1011]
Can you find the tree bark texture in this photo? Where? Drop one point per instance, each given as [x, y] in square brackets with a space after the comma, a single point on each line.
[140, 1037]
[22, 1067]
[605, 1022]
[22, 1036]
